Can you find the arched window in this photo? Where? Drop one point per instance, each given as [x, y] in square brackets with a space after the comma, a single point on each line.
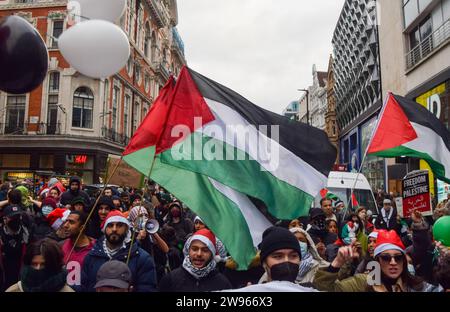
[83, 104]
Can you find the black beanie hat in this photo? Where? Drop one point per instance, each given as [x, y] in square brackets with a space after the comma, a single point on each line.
[276, 238]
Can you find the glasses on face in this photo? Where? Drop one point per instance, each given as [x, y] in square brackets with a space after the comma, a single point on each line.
[388, 258]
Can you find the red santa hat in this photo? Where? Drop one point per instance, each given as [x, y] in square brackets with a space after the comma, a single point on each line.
[206, 237]
[114, 216]
[57, 217]
[388, 240]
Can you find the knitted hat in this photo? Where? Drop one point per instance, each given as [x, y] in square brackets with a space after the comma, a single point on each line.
[316, 212]
[57, 217]
[276, 238]
[197, 218]
[388, 240]
[206, 237]
[52, 182]
[78, 200]
[49, 201]
[114, 216]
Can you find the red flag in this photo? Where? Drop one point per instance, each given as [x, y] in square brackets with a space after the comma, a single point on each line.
[323, 192]
[354, 201]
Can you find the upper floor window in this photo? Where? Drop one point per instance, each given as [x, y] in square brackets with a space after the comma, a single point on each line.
[412, 9]
[83, 105]
[15, 114]
[58, 27]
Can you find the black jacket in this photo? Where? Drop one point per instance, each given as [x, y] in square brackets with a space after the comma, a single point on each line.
[380, 224]
[179, 280]
[69, 195]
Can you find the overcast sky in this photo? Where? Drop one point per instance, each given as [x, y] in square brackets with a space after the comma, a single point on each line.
[262, 49]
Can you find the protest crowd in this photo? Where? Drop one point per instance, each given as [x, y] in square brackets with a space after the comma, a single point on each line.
[145, 240]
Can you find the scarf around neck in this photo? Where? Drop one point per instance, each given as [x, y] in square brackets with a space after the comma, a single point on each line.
[305, 266]
[196, 272]
[33, 280]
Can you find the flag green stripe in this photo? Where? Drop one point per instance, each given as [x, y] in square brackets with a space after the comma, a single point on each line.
[141, 160]
[284, 201]
[222, 215]
[195, 190]
[438, 168]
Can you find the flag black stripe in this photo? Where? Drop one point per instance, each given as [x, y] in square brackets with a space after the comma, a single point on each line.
[420, 115]
[308, 143]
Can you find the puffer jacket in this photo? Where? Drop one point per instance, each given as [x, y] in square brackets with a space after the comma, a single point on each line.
[141, 265]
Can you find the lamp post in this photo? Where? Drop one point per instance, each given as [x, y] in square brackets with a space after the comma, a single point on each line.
[307, 104]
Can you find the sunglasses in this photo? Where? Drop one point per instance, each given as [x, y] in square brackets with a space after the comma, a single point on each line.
[388, 258]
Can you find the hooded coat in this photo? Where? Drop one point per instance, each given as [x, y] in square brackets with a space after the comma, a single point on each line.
[141, 265]
[69, 195]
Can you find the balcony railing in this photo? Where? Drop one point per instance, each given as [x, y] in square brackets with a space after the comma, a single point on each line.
[114, 136]
[49, 128]
[14, 129]
[428, 45]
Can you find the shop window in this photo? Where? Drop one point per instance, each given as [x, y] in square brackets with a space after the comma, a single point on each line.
[83, 104]
[46, 161]
[15, 160]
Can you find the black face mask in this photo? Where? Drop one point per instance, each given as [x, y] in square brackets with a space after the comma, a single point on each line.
[285, 271]
[14, 224]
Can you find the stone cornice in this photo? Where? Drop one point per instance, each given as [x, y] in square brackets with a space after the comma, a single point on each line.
[42, 4]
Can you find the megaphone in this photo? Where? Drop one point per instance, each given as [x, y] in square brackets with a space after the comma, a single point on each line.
[152, 226]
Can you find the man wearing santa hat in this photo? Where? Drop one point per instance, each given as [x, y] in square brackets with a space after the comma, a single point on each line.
[116, 245]
[198, 272]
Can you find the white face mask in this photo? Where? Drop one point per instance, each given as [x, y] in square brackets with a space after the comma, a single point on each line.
[411, 269]
[46, 210]
[303, 249]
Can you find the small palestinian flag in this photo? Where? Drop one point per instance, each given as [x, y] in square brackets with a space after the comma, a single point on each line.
[325, 193]
[406, 128]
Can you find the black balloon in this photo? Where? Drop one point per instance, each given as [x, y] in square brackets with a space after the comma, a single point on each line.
[23, 56]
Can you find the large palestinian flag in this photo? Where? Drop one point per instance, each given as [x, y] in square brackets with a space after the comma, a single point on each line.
[406, 128]
[194, 133]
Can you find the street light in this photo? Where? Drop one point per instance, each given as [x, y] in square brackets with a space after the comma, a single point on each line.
[307, 104]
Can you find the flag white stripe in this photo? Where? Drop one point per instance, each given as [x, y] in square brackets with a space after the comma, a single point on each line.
[431, 143]
[289, 168]
[256, 221]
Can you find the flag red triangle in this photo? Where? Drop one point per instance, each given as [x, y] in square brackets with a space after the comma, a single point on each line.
[152, 126]
[394, 128]
[354, 201]
[175, 106]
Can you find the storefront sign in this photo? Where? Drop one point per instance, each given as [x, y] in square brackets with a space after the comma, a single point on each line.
[416, 193]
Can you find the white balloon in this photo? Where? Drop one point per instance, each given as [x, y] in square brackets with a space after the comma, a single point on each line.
[109, 10]
[95, 48]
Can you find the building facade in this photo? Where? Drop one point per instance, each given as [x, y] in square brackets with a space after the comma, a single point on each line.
[357, 86]
[291, 111]
[72, 123]
[419, 67]
[318, 98]
[331, 126]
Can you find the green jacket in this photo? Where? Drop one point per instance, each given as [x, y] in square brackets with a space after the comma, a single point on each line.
[327, 281]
